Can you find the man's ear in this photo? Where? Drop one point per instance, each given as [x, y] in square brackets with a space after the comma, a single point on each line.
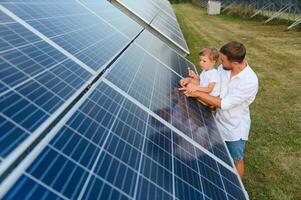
[234, 63]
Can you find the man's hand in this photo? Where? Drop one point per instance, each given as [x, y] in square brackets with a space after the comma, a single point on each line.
[192, 74]
[191, 88]
[184, 82]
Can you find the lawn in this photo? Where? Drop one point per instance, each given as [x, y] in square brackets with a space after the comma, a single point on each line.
[273, 153]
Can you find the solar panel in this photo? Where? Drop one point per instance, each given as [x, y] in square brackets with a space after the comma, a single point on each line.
[151, 14]
[130, 155]
[90, 110]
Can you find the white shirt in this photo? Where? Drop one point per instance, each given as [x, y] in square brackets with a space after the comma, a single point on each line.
[237, 93]
[211, 76]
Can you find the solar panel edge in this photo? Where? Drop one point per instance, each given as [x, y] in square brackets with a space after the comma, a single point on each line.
[143, 22]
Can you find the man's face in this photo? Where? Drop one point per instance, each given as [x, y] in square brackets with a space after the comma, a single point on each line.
[227, 65]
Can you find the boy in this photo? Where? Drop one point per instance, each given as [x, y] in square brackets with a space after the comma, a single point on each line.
[209, 80]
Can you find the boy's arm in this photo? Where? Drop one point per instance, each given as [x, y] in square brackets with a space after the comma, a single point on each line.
[207, 89]
[192, 74]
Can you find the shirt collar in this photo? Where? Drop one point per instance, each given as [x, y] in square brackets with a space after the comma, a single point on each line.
[242, 73]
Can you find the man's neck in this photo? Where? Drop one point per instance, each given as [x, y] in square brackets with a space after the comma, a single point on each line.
[237, 69]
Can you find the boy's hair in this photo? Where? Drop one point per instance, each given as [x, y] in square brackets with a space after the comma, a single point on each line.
[212, 53]
[235, 51]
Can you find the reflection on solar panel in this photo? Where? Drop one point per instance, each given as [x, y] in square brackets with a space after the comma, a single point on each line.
[158, 17]
[90, 110]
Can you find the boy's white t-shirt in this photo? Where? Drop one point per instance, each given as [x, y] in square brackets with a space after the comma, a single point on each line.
[211, 76]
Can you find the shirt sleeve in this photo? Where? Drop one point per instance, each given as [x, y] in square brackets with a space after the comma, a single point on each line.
[214, 77]
[239, 94]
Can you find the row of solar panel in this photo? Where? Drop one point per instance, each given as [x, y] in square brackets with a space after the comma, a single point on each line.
[50, 53]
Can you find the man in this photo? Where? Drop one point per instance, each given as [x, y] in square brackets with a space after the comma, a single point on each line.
[239, 86]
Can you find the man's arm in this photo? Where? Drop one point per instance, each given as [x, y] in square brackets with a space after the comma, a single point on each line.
[206, 98]
[240, 94]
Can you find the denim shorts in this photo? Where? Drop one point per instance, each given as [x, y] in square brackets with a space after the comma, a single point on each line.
[236, 149]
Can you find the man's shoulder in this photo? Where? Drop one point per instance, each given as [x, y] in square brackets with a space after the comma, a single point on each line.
[251, 75]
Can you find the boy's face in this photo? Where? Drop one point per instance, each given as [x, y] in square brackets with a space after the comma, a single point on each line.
[206, 63]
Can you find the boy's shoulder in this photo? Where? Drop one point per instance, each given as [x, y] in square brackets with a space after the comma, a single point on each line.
[212, 71]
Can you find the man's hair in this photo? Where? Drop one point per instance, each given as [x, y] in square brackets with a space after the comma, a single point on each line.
[212, 53]
[235, 51]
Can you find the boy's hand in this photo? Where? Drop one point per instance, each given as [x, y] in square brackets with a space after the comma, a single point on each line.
[192, 74]
[184, 82]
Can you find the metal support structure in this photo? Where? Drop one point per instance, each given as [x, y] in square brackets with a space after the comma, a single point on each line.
[278, 13]
[228, 6]
[298, 21]
[262, 9]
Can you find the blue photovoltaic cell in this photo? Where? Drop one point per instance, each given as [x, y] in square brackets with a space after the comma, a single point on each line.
[151, 13]
[164, 53]
[112, 149]
[36, 80]
[76, 29]
[155, 86]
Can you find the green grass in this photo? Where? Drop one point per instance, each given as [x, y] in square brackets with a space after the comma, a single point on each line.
[273, 153]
